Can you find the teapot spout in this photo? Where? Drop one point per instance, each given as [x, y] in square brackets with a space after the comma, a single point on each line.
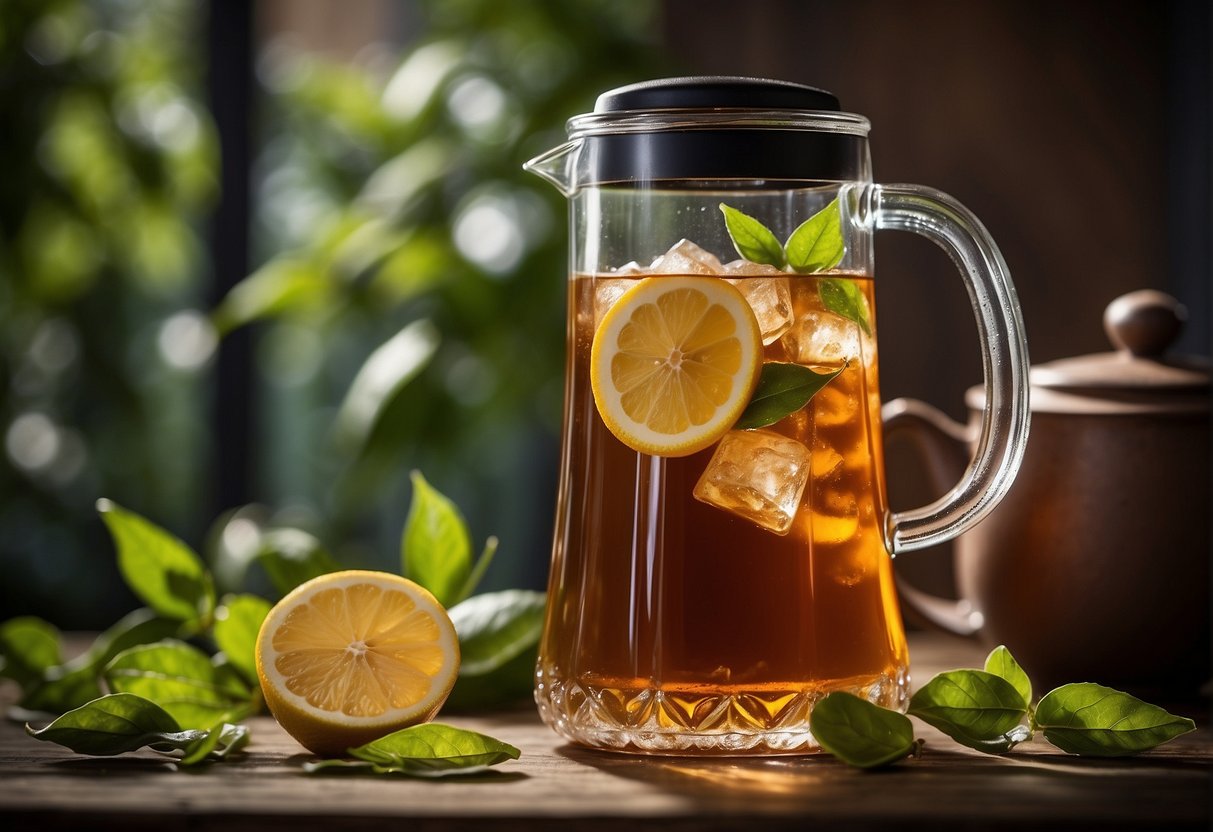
[557, 166]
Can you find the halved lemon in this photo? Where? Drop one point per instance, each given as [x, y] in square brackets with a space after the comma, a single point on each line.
[674, 363]
[351, 656]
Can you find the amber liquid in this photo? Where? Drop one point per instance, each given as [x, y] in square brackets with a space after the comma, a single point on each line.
[675, 625]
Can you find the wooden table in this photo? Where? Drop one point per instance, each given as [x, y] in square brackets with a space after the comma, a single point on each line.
[558, 786]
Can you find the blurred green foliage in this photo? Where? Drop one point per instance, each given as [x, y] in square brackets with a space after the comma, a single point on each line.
[409, 313]
[416, 258]
[109, 159]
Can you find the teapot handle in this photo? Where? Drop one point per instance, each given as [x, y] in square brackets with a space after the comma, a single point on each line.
[1003, 432]
[944, 443]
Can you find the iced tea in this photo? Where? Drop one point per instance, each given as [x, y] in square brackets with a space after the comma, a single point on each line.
[676, 623]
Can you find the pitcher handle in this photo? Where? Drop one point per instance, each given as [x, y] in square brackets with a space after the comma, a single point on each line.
[944, 444]
[1002, 434]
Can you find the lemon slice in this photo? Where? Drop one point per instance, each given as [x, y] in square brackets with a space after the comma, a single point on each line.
[351, 656]
[674, 363]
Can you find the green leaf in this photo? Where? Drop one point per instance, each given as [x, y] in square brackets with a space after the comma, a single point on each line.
[381, 378]
[29, 647]
[216, 744]
[860, 733]
[291, 557]
[498, 644]
[973, 707]
[283, 286]
[433, 749]
[782, 390]
[753, 240]
[817, 244]
[477, 573]
[1000, 662]
[237, 622]
[436, 548]
[114, 724]
[159, 568]
[842, 297]
[180, 679]
[1091, 719]
[77, 681]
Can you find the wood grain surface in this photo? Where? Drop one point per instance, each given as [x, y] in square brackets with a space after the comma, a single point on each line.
[558, 786]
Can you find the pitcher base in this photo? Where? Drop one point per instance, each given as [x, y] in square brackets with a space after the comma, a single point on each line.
[663, 721]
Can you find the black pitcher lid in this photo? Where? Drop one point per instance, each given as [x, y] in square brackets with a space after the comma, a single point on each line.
[720, 128]
[716, 92]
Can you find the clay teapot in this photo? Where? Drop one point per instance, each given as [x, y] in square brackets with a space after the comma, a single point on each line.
[1095, 567]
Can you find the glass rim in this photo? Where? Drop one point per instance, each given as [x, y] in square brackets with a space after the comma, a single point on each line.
[658, 121]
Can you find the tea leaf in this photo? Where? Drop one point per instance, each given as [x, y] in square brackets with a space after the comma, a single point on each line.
[843, 297]
[28, 648]
[237, 622]
[860, 733]
[77, 681]
[291, 557]
[433, 748]
[782, 389]
[817, 244]
[115, 724]
[1000, 662]
[436, 548]
[180, 679]
[158, 567]
[218, 743]
[973, 707]
[498, 643]
[753, 240]
[1086, 718]
[477, 573]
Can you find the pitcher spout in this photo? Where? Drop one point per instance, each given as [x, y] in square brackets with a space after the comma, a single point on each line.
[557, 166]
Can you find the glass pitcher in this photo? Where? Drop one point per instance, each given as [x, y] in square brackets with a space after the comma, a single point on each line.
[704, 594]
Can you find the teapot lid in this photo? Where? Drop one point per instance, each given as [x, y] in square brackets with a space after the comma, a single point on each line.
[1140, 377]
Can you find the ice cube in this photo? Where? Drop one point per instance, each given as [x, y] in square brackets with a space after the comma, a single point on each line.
[745, 268]
[771, 300]
[685, 257]
[606, 292]
[629, 268]
[758, 475]
[835, 516]
[824, 339]
[827, 464]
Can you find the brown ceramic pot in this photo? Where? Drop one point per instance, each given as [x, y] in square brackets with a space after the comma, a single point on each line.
[1095, 567]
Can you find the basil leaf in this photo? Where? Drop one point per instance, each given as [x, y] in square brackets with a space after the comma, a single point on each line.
[860, 733]
[77, 681]
[1091, 719]
[115, 724]
[291, 557]
[433, 748]
[237, 622]
[843, 297]
[165, 573]
[753, 240]
[218, 743]
[817, 244]
[29, 647]
[436, 549]
[498, 644]
[973, 707]
[180, 679]
[1000, 662]
[782, 389]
